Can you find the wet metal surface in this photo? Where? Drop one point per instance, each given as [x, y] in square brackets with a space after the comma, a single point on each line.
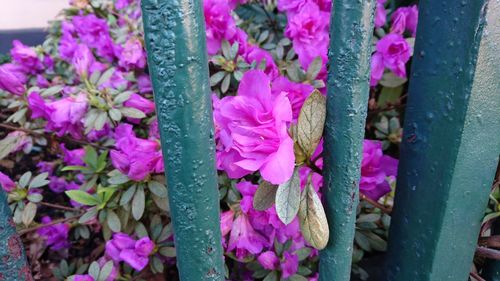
[348, 88]
[451, 141]
[13, 264]
[177, 57]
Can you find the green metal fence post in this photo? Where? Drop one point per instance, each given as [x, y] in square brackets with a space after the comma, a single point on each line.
[13, 264]
[348, 88]
[450, 145]
[177, 57]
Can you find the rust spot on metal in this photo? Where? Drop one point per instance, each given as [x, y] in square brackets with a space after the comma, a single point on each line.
[14, 245]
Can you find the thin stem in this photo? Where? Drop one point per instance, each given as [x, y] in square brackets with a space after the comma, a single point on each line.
[33, 133]
[57, 206]
[34, 228]
[488, 253]
[476, 276]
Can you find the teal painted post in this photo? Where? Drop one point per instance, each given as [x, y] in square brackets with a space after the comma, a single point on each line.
[347, 99]
[178, 64]
[450, 144]
[13, 264]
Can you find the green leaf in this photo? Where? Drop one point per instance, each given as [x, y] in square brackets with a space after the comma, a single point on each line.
[389, 95]
[158, 189]
[115, 114]
[264, 196]
[272, 276]
[105, 271]
[157, 264]
[82, 197]
[391, 80]
[122, 97]
[101, 161]
[7, 145]
[94, 270]
[105, 76]
[288, 198]
[312, 218]
[311, 122]
[297, 277]
[132, 112]
[118, 179]
[225, 83]
[138, 203]
[162, 203]
[167, 252]
[314, 68]
[100, 121]
[39, 180]
[216, 78]
[362, 241]
[74, 168]
[113, 221]
[303, 253]
[25, 178]
[35, 197]
[127, 195]
[90, 157]
[89, 215]
[368, 218]
[29, 213]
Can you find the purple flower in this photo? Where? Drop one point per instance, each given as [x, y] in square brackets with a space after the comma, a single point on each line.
[122, 4]
[308, 31]
[219, 23]
[269, 260]
[7, 184]
[226, 222]
[137, 158]
[253, 131]
[131, 55]
[138, 102]
[64, 115]
[85, 277]
[292, 7]
[144, 84]
[135, 253]
[376, 168]
[392, 52]
[26, 57]
[12, 79]
[289, 265]
[67, 43]
[82, 60]
[94, 32]
[73, 156]
[244, 239]
[258, 55]
[297, 93]
[405, 19]
[380, 14]
[56, 235]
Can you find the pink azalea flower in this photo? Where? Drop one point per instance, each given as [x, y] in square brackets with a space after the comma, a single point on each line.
[253, 132]
[135, 157]
[122, 4]
[56, 235]
[26, 57]
[375, 169]
[244, 239]
[7, 184]
[94, 32]
[135, 253]
[380, 13]
[226, 222]
[219, 24]
[405, 19]
[64, 115]
[292, 7]
[289, 265]
[84, 277]
[308, 31]
[297, 93]
[269, 260]
[138, 102]
[73, 156]
[12, 79]
[392, 52]
[258, 55]
[82, 60]
[131, 55]
[144, 84]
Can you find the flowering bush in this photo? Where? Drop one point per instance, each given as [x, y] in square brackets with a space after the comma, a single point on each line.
[78, 112]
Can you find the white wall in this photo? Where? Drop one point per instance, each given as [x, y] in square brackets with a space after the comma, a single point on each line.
[20, 14]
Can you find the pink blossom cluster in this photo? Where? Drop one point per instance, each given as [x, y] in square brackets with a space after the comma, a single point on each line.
[393, 51]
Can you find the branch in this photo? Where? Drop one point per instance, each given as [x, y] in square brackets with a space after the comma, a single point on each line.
[34, 228]
[59, 207]
[488, 253]
[476, 276]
